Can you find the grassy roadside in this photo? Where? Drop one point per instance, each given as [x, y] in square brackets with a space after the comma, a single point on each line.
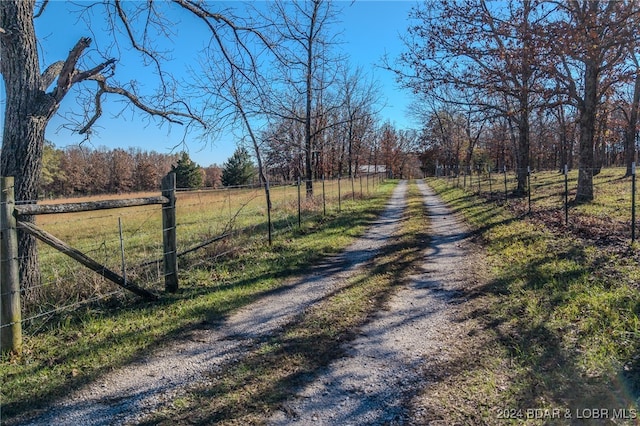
[258, 384]
[82, 346]
[557, 329]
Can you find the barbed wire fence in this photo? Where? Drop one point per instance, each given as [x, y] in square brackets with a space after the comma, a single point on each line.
[129, 241]
[551, 195]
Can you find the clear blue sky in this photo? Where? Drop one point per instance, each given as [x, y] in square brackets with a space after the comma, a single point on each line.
[370, 29]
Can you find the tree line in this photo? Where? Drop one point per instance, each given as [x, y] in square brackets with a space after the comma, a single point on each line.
[82, 170]
[525, 84]
[272, 72]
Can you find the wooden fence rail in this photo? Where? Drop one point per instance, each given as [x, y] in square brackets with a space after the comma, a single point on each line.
[10, 222]
[13, 218]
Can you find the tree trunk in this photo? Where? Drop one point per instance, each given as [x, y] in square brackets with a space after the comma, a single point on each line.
[564, 142]
[28, 109]
[523, 154]
[630, 132]
[309, 104]
[587, 124]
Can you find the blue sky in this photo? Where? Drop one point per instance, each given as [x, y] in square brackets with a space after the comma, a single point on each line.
[369, 30]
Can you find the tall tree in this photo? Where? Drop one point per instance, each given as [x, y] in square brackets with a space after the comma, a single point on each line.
[589, 40]
[306, 67]
[359, 96]
[33, 95]
[629, 109]
[188, 174]
[486, 51]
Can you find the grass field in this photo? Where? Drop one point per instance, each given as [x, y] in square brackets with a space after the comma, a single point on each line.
[201, 215]
[75, 347]
[556, 319]
[560, 309]
[609, 215]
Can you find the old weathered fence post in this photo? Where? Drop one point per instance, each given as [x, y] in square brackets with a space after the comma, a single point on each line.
[299, 206]
[633, 202]
[10, 314]
[169, 243]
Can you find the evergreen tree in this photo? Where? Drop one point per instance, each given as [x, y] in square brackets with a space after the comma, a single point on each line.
[238, 169]
[188, 173]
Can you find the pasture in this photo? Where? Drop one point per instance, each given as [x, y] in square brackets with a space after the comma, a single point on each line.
[135, 235]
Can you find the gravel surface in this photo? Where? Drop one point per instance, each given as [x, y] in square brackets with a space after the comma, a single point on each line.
[384, 367]
[128, 394]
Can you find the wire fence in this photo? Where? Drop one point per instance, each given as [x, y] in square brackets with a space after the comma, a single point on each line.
[130, 240]
[610, 218]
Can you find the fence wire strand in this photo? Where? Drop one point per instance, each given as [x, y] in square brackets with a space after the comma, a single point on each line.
[203, 217]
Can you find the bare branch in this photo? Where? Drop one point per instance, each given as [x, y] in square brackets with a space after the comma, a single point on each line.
[86, 75]
[41, 10]
[168, 114]
[65, 77]
[50, 74]
[140, 48]
[98, 112]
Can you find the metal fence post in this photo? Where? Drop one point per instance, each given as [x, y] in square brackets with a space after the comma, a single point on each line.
[10, 313]
[633, 202]
[324, 199]
[529, 186]
[339, 199]
[299, 205]
[506, 191]
[566, 195]
[170, 251]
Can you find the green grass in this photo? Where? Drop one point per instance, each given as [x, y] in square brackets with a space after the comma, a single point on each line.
[78, 347]
[247, 391]
[562, 311]
[607, 217]
[201, 215]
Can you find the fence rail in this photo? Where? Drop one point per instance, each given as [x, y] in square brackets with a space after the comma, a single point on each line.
[188, 221]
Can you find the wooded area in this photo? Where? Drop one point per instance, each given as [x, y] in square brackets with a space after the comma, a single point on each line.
[525, 84]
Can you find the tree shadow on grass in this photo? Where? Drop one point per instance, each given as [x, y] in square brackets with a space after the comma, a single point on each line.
[261, 381]
[206, 314]
[524, 346]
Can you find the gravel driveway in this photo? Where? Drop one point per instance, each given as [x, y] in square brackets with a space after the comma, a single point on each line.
[375, 383]
[128, 394]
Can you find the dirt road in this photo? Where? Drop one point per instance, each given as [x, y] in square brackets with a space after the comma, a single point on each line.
[374, 384]
[385, 366]
[128, 394]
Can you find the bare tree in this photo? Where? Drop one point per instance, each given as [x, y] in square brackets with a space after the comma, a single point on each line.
[485, 50]
[307, 68]
[359, 95]
[589, 40]
[628, 107]
[33, 95]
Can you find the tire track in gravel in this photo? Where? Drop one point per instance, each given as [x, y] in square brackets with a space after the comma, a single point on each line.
[377, 379]
[128, 394]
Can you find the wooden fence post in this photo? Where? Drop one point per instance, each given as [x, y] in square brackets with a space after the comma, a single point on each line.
[10, 314]
[170, 249]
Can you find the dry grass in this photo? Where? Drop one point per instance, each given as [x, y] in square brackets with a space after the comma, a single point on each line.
[201, 215]
[551, 333]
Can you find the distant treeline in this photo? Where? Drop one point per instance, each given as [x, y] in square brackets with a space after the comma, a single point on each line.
[80, 170]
